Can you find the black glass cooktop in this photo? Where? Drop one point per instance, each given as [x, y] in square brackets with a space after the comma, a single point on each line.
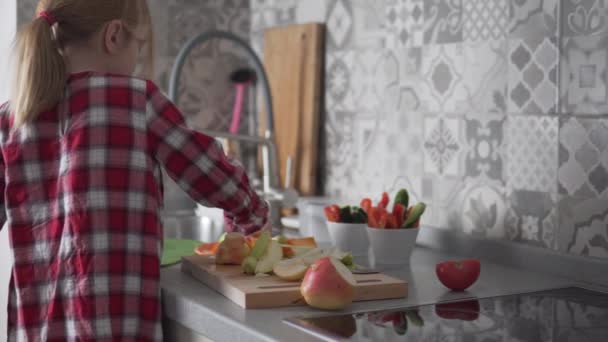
[569, 314]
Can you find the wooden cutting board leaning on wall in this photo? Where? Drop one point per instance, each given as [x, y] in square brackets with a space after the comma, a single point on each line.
[293, 58]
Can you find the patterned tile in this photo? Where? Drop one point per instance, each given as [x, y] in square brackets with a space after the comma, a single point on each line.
[371, 151]
[409, 78]
[534, 18]
[312, 11]
[369, 24]
[583, 157]
[443, 146]
[485, 77]
[481, 208]
[532, 218]
[357, 79]
[340, 24]
[269, 13]
[340, 158]
[587, 17]
[405, 23]
[443, 71]
[443, 21]
[583, 227]
[484, 157]
[533, 72]
[405, 141]
[584, 75]
[442, 194]
[532, 153]
[485, 20]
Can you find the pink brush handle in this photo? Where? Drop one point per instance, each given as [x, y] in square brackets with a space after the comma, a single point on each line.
[238, 108]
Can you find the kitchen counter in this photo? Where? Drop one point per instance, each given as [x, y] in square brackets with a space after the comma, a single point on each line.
[206, 312]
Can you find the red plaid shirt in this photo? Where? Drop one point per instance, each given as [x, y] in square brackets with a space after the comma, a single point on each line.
[82, 192]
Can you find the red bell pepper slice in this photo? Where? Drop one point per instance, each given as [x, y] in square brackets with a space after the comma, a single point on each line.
[391, 221]
[383, 218]
[399, 213]
[384, 201]
[366, 204]
[332, 213]
[373, 216]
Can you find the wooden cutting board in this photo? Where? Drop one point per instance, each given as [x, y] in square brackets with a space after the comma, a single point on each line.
[293, 58]
[252, 292]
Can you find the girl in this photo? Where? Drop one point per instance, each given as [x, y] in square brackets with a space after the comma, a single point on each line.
[82, 143]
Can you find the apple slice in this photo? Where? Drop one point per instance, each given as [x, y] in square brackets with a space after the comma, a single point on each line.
[328, 284]
[232, 250]
[290, 269]
[274, 254]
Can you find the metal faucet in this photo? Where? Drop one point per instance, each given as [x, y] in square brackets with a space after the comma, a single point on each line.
[277, 198]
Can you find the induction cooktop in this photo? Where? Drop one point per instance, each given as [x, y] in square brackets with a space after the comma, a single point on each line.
[568, 314]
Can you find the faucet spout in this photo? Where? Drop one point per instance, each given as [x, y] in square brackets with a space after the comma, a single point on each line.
[269, 150]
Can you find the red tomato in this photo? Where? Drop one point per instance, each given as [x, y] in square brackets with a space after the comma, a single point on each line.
[384, 201]
[466, 311]
[332, 213]
[458, 275]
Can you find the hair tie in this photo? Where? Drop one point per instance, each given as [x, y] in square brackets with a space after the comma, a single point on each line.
[50, 19]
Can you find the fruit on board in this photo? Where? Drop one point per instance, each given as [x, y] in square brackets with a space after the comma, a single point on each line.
[328, 285]
[232, 250]
[273, 254]
[261, 245]
[290, 269]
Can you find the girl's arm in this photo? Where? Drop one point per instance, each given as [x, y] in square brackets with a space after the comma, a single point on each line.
[199, 166]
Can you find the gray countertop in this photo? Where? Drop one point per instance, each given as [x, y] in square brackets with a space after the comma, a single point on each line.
[201, 309]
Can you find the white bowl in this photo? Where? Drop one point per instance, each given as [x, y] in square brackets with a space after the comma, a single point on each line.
[349, 237]
[312, 218]
[392, 246]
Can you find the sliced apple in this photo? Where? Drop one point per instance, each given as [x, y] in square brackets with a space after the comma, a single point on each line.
[233, 250]
[290, 269]
[260, 247]
[328, 285]
[273, 255]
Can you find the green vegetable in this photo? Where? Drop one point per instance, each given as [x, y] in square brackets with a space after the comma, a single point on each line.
[358, 215]
[402, 197]
[352, 214]
[400, 326]
[414, 215]
[345, 215]
[415, 318]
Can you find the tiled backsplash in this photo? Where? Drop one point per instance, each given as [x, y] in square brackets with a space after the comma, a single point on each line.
[494, 112]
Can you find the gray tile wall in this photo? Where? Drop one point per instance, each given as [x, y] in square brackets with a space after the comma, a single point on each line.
[494, 112]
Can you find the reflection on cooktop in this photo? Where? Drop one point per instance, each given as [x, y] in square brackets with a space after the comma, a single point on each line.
[569, 314]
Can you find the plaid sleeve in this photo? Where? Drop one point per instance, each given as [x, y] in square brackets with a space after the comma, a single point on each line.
[199, 166]
[2, 188]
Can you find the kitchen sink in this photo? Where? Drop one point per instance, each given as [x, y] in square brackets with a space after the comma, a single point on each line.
[568, 314]
[203, 225]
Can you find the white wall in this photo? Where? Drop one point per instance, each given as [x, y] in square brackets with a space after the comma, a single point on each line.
[8, 24]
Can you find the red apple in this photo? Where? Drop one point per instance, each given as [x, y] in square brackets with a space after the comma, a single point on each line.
[233, 250]
[328, 285]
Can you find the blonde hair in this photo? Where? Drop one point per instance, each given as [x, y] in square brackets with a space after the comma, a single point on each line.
[41, 72]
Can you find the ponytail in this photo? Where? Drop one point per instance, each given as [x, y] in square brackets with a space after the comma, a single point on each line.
[40, 73]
